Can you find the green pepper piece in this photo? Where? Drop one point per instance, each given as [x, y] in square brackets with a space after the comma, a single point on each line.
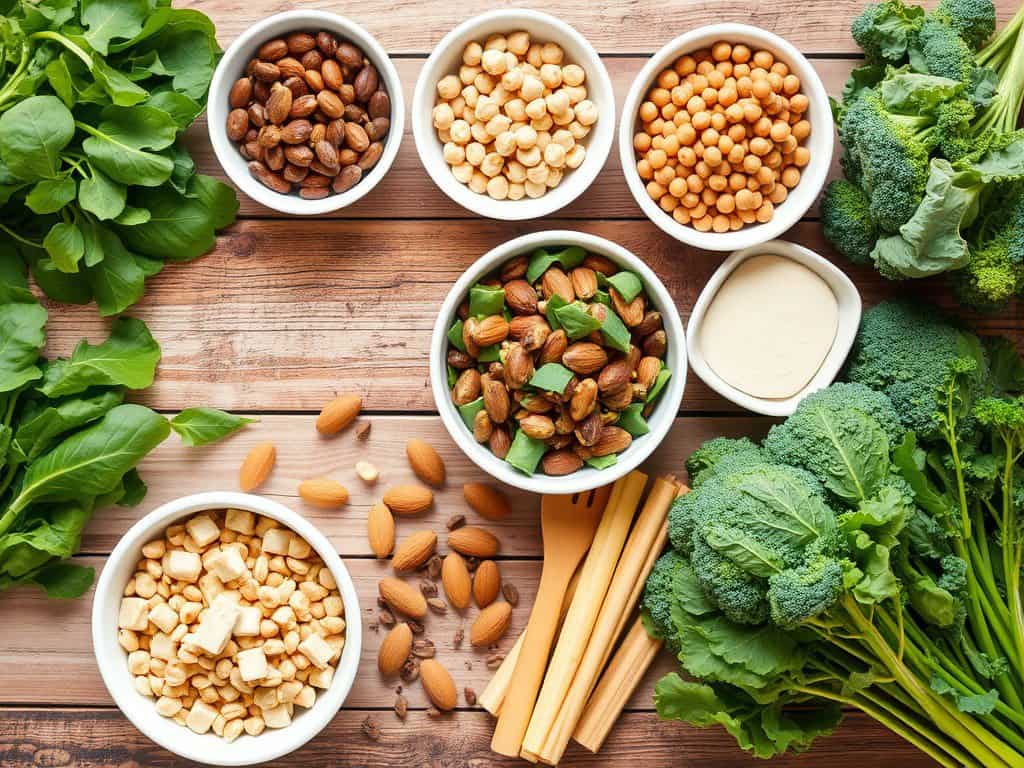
[542, 259]
[576, 321]
[659, 383]
[627, 284]
[452, 377]
[491, 354]
[603, 462]
[615, 333]
[525, 453]
[551, 377]
[631, 419]
[486, 300]
[455, 336]
[556, 302]
[470, 410]
[602, 297]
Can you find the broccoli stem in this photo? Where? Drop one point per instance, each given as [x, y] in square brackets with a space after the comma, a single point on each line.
[1012, 549]
[1005, 55]
[7, 92]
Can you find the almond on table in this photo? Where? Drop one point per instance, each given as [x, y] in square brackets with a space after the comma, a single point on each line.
[256, 467]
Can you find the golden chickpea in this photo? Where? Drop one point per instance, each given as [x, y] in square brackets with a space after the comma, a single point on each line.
[715, 81]
[682, 215]
[779, 194]
[779, 131]
[699, 83]
[763, 59]
[704, 66]
[801, 130]
[761, 90]
[790, 84]
[765, 175]
[454, 154]
[751, 111]
[668, 128]
[760, 146]
[702, 169]
[713, 156]
[690, 199]
[655, 190]
[741, 70]
[448, 87]
[727, 97]
[586, 112]
[701, 121]
[744, 86]
[765, 212]
[699, 210]
[694, 183]
[718, 121]
[703, 224]
[720, 223]
[709, 136]
[657, 158]
[740, 53]
[670, 144]
[734, 112]
[669, 111]
[775, 82]
[687, 157]
[667, 203]
[687, 134]
[644, 170]
[751, 164]
[799, 103]
[744, 200]
[789, 145]
[801, 156]
[685, 65]
[725, 143]
[726, 203]
[708, 197]
[773, 159]
[677, 187]
[718, 182]
[695, 104]
[721, 51]
[790, 176]
[710, 96]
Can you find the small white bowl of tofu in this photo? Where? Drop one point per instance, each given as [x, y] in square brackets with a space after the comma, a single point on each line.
[226, 628]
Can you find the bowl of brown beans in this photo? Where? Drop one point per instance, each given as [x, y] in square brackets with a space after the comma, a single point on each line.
[726, 137]
[305, 112]
[558, 362]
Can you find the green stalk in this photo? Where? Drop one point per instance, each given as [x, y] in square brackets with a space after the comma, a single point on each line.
[16, 77]
[14, 235]
[1012, 552]
[59, 38]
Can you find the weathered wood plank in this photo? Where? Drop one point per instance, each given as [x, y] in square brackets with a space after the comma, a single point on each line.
[285, 313]
[102, 738]
[416, 26]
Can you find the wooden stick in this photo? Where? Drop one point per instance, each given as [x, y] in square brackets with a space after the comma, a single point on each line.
[616, 608]
[579, 622]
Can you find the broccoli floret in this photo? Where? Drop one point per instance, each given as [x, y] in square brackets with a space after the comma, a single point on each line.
[798, 594]
[658, 593]
[953, 128]
[884, 30]
[704, 461]
[904, 350]
[841, 395]
[846, 216]
[740, 596]
[939, 50]
[973, 20]
[995, 273]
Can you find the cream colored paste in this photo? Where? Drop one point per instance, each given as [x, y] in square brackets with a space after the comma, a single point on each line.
[770, 327]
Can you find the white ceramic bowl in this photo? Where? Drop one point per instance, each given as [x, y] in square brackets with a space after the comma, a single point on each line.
[113, 661]
[847, 298]
[447, 58]
[661, 418]
[820, 142]
[232, 66]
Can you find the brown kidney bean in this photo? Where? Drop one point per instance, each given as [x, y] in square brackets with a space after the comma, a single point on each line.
[370, 157]
[300, 42]
[300, 155]
[241, 93]
[366, 82]
[312, 59]
[349, 55]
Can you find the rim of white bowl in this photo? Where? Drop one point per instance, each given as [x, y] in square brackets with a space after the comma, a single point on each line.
[232, 65]
[662, 418]
[113, 663]
[598, 142]
[813, 176]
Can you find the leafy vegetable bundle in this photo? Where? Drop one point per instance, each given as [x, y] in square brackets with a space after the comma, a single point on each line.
[868, 553]
[96, 189]
[68, 442]
[934, 164]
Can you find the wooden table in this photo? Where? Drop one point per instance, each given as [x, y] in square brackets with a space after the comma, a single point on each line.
[287, 312]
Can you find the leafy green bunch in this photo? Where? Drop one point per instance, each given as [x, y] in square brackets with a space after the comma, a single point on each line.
[69, 443]
[848, 560]
[933, 163]
[97, 190]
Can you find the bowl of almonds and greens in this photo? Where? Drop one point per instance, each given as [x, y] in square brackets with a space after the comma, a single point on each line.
[558, 362]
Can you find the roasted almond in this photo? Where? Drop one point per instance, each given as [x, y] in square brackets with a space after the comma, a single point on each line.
[650, 324]
[500, 442]
[355, 137]
[632, 313]
[338, 414]
[403, 597]
[613, 377]
[656, 344]
[455, 580]
[558, 463]
[520, 325]
[257, 466]
[279, 105]
[612, 440]
[486, 583]
[554, 347]
[585, 358]
[438, 684]
[290, 67]
[300, 43]
[496, 402]
[491, 330]
[323, 492]
[472, 541]
[584, 398]
[241, 93]
[537, 426]
[601, 264]
[647, 371]
[486, 500]
[380, 530]
[490, 625]
[518, 366]
[556, 283]
[273, 50]
[482, 427]
[520, 297]
[467, 387]
[425, 462]
[408, 499]
[394, 649]
[266, 71]
[584, 282]
[414, 550]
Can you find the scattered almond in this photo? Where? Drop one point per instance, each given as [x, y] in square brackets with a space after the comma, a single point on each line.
[367, 472]
[438, 684]
[323, 492]
[414, 551]
[455, 580]
[380, 530]
[486, 583]
[394, 650]
[490, 625]
[473, 541]
[363, 430]
[408, 499]
[338, 414]
[425, 462]
[403, 598]
[486, 500]
[257, 466]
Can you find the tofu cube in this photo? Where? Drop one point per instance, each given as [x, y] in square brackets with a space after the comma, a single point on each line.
[203, 530]
[134, 614]
[165, 617]
[252, 664]
[321, 678]
[228, 565]
[277, 717]
[182, 566]
[248, 624]
[201, 717]
[240, 521]
[162, 646]
[211, 587]
[216, 626]
[276, 541]
[316, 650]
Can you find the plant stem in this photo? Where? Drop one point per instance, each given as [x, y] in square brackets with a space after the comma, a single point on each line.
[16, 77]
[19, 238]
[59, 38]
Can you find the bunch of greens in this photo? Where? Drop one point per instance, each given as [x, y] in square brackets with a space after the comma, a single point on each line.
[96, 189]
[934, 164]
[867, 554]
[68, 442]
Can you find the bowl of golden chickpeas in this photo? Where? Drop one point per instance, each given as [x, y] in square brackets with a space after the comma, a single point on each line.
[726, 137]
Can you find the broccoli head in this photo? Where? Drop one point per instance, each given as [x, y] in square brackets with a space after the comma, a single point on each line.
[705, 460]
[658, 596]
[973, 20]
[798, 594]
[846, 215]
[738, 594]
[939, 50]
[995, 273]
[884, 30]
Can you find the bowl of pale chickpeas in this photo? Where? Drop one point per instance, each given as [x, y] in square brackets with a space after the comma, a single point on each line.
[726, 137]
[513, 114]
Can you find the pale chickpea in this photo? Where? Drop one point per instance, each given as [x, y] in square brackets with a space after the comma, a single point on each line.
[475, 152]
[528, 156]
[551, 53]
[497, 188]
[576, 93]
[534, 190]
[543, 124]
[472, 53]
[516, 191]
[534, 59]
[533, 88]
[443, 117]
[460, 132]
[493, 61]
[578, 130]
[478, 183]
[572, 74]
[557, 103]
[538, 174]
[505, 143]
[491, 166]
[575, 156]
[448, 87]
[512, 80]
[453, 153]
[536, 109]
[518, 43]
[463, 173]
[516, 110]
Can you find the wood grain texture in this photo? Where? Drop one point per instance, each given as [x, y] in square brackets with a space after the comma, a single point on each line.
[93, 738]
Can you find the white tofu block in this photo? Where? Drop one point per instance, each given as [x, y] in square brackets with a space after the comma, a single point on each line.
[316, 650]
[134, 614]
[276, 541]
[248, 624]
[228, 565]
[203, 530]
[321, 678]
[252, 664]
[201, 716]
[165, 617]
[277, 717]
[240, 521]
[182, 566]
[216, 626]
[211, 587]
[162, 646]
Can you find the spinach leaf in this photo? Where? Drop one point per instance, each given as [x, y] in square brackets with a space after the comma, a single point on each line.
[542, 259]
[551, 377]
[32, 135]
[50, 195]
[22, 336]
[42, 422]
[118, 280]
[106, 20]
[199, 426]
[180, 228]
[135, 489]
[627, 284]
[100, 195]
[118, 145]
[65, 580]
[65, 245]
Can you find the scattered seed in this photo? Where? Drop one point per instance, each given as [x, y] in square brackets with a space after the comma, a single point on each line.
[433, 712]
[470, 696]
[434, 567]
[437, 605]
[460, 635]
[494, 660]
[363, 430]
[401, 706]
[472, 563]
[455, 521]
[410, 670]
[370, 729]
[386, 618]
[415, 626]
[511, 593]
[423, 649]
[428, 588]
[374, 626]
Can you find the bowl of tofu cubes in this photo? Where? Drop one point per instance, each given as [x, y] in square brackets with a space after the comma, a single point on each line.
[226, 628]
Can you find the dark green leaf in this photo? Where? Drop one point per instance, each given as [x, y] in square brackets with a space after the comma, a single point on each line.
[486, 300]
[543, 258]
[455, 336]
[180, 228]
[42, 422]
[117, 281]
[32, 134]
[551, 377]
[575, 320]
[65, 245]
[22, 336]
[134, 489]
[631, 419]
[469, 411]
[50, 195]
[615, 333]
[106, 20]
[118, 145]
[742, 549]
[59, 77]
[65, 580]
[525, 453]
[100, 195]
[199, 426]
[627, 284]
[182, 108]
[602, 462]
[121, 91]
